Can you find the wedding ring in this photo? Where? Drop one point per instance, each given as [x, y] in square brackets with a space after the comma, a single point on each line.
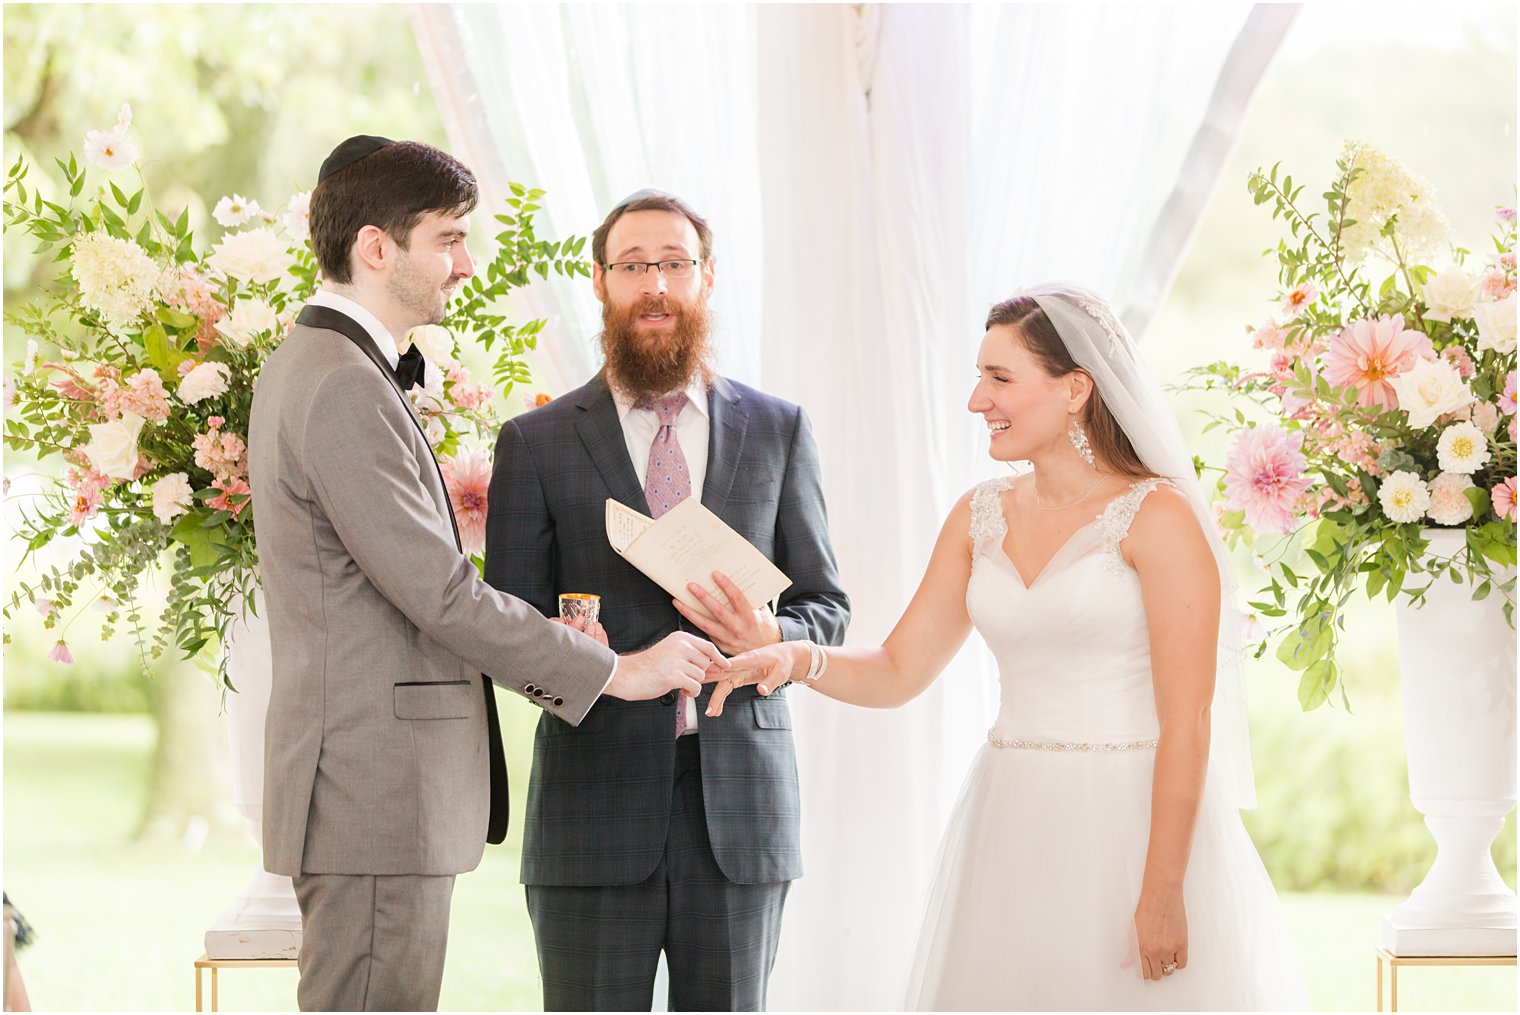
[1168, 968]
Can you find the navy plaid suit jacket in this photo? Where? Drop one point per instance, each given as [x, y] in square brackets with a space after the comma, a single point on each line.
[599, 796]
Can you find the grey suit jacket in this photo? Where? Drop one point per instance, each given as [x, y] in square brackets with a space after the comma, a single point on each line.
[376, 740]
[599, 795]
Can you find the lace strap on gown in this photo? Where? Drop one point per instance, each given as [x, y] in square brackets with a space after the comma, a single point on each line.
[1116, 519]
[987, 525]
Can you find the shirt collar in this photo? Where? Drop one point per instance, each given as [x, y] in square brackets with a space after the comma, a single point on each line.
[369, 322]
[696, 397]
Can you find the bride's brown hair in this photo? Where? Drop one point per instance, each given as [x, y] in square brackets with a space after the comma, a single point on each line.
[1108, 440]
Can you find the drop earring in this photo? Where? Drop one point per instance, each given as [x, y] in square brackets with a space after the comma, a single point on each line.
[1078, 438]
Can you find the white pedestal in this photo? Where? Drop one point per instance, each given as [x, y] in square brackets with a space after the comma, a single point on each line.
[264, 921]
[1457, 663]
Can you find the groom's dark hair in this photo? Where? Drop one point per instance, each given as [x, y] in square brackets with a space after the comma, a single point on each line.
[391, 189]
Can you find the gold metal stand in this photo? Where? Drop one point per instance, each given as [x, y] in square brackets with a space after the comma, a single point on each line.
[1395, 961]
[217, 965]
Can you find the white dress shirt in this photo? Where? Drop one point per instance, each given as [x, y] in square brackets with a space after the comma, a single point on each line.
[692, 432]
[383, 339]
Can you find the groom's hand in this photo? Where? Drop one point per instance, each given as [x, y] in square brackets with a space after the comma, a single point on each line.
[679, 662]
[734, 626]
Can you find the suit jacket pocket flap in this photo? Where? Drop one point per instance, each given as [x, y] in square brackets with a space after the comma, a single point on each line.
[436, 699]
[772, 715]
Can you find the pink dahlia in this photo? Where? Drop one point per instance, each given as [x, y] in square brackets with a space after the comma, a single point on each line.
[467, 476]
[1264, 477]
[1504, 499]
[1367, 354]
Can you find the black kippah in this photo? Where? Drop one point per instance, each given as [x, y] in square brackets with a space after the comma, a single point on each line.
[358, 147]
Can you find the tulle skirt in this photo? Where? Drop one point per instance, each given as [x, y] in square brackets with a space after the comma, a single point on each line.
[1032, 904]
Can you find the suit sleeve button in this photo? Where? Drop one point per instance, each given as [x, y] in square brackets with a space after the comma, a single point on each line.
[558, 702]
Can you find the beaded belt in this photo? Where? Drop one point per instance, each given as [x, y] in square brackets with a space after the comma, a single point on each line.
[1057, 745]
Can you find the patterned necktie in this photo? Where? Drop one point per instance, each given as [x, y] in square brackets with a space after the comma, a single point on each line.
[667, 482]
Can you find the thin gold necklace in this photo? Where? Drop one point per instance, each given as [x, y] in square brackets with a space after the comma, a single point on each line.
[1035, 486]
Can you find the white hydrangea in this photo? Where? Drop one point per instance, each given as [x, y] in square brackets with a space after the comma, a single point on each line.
[116, 278]
[1448, 499]
[1385, 189]
[1404, 497]
[1463, 448]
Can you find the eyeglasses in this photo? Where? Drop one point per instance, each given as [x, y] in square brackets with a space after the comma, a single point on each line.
[676, 268]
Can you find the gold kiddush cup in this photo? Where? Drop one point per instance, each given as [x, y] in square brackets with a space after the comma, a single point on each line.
[580, 604]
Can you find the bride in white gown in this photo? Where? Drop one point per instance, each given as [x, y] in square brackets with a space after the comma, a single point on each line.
[1096, 859]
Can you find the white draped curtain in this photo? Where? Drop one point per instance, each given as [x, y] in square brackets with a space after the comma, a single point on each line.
[876, 176]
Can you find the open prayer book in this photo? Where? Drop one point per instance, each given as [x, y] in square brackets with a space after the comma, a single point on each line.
[687, 544]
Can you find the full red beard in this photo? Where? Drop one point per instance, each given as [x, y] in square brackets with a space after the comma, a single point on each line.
[641, 369]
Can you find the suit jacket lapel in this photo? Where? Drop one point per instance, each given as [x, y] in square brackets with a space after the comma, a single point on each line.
[602, 433]
[725, 445]
[329, 319]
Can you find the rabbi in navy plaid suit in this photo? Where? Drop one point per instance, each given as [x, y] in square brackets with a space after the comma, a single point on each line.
[650, 826]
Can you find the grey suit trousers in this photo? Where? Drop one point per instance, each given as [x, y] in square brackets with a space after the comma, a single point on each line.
[599, 946]
[372, 942]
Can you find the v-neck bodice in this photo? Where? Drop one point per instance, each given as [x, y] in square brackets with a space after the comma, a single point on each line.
[1072, 646]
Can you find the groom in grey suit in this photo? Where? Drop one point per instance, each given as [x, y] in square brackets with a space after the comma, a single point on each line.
[383, 762]
[650, 827]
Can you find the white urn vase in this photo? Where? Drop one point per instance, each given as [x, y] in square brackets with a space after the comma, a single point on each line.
[1457, 663]
[264, 921]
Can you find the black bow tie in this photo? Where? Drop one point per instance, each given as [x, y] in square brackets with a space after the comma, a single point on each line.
[410, 368]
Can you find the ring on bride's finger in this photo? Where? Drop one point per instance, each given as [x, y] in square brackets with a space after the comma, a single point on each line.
[1168, 968]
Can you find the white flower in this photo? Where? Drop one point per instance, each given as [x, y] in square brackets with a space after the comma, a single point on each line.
[254, 255]
[1463, 448]
[1432, 388]
[1450, 294]
[110, 149]
[10, 394]
[1496, 324]
[234, 210]
[206, 380]
[249, 317]
[434, 431]
[1448, 503]
[112, 450]
[172, 497]
[297, 217]
[1385, 189]
[436, 344]
[105, 604]
[116, 278]
[29, 364]
[1404, 497]
[123, 118]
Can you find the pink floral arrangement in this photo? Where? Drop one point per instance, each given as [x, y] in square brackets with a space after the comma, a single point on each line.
[141, 361]
[1385, 408]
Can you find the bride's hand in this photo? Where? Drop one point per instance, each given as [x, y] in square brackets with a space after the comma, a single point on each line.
[1161, 927]
[767, 668]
